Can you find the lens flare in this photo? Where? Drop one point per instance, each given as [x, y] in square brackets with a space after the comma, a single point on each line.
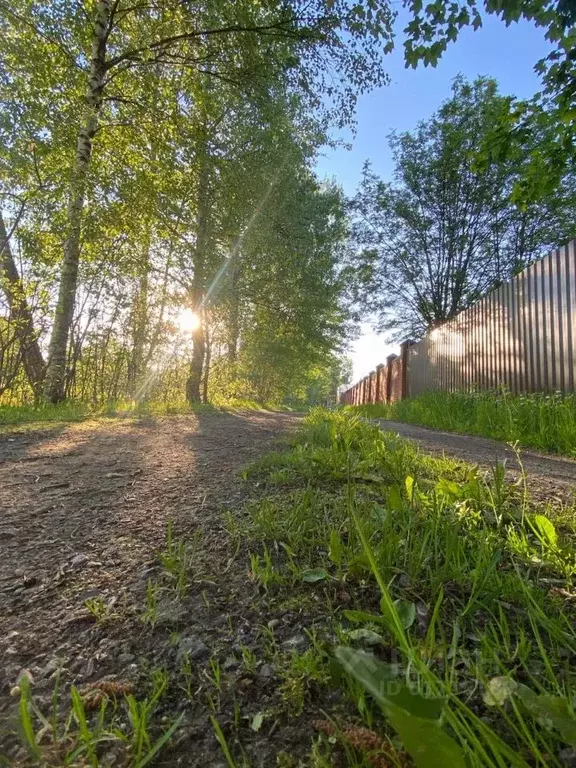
[188, 320]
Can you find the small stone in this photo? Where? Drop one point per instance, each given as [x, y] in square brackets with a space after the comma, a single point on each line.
[15, 690]
[51, 667]
[273, 623]
[568, 757]
[89, 594]
[192, 647]
[230, 663]
[126, 658]
[146, 573]
[78, 664]
[113, 756]
[78, 560]
[267, 670]
[297, 641]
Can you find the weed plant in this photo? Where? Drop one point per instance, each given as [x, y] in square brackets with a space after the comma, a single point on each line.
[74, 735]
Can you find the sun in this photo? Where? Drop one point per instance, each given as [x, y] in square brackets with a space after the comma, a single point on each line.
[188, 320]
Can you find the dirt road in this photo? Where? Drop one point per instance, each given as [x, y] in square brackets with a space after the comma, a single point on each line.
[550, 477]
[84, 513]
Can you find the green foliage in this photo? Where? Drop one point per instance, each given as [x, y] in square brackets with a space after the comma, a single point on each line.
[176, 559]
[543, 421]
[448, 229]
[433, 26]
[66, 411]
[191, 187]
[463, 567]
[73, 734]
[415, 718]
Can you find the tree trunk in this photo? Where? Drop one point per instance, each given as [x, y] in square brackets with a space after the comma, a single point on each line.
[207, 360]
[196, 367]
[157, 333]
[12, 286]
[139, 332]
[54, 383]
[194, 381]
[234, 315]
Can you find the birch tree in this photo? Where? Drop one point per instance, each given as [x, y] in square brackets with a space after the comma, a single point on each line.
[117, 40]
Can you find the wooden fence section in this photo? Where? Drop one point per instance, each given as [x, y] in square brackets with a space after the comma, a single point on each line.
[521, 335]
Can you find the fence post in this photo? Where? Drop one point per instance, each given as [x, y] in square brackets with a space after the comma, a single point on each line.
[389, 367]
[379, 377]
[404, 352]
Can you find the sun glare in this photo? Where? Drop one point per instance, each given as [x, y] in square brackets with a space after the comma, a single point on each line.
[188, 320]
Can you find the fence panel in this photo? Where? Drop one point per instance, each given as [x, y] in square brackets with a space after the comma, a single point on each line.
[521, 335]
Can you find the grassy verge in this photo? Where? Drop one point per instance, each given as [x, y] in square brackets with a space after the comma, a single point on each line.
[440, 622]
[75, 411]
[243, 404]
[542, 421]
[66, 411]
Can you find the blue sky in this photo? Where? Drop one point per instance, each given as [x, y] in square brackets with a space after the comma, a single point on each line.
[506, 53]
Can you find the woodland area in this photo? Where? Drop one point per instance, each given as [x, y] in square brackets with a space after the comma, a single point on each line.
[164, 235]
[249, 586]
[162, 230]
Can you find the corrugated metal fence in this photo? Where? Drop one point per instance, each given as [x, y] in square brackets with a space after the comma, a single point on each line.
[521, 335]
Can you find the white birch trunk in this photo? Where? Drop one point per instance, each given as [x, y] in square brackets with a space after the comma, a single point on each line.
[54, 383]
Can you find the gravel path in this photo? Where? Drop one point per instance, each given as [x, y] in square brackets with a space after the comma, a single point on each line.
[84, 509]
[550, 477]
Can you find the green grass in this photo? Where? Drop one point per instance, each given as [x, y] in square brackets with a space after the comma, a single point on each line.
[244, 404]
[75, 411]
[76, 734]
[456, 640]
[546, 422]
[69, 411]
